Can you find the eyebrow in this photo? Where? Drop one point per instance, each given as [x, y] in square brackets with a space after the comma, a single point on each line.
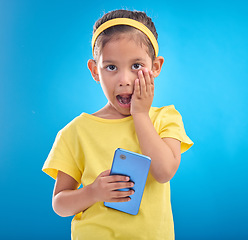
[108, 61]
[138, 60]
[132, 60]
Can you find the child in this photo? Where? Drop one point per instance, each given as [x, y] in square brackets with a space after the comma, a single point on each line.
[125, 63]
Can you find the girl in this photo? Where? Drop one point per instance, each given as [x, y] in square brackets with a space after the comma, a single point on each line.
[125, 63]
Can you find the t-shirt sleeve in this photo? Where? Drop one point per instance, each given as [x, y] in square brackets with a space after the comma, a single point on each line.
[61, 158]
[171, 125]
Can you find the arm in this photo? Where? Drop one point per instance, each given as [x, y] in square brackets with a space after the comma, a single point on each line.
[165, 153]
[68, 200]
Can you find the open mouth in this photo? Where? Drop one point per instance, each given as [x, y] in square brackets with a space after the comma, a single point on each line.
[124, 99]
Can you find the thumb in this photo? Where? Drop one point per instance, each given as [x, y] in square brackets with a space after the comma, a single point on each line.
[105, 173]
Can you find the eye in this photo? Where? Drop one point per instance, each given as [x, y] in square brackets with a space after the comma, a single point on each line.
[111, 68]
[136, 66]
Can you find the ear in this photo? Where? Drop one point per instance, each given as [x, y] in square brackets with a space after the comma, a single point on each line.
[157, 66]
[93, 69]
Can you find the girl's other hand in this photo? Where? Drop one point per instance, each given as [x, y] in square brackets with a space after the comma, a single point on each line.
[105, 188]
[143, 92]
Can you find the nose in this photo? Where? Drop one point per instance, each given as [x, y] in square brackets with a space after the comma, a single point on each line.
[125, 78]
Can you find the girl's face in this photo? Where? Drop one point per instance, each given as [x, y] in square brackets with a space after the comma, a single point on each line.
[116, 70]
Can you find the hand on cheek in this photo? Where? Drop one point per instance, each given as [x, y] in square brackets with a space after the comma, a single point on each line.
[143, 92]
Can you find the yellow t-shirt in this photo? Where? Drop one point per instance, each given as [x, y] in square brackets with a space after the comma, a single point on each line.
[85, 148]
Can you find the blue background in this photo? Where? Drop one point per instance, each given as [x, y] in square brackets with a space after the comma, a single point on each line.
[45, 83]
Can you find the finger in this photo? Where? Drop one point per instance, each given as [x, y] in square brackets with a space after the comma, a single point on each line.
[149, 82]
[117, 178]
[147, 78]
[121, 194]
[125, 199]
[121, 185]
[151, 77]
[137, 88]
[151, 89]
[142, 82]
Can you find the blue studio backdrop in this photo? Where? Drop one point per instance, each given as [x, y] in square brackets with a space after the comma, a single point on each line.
[45, 83]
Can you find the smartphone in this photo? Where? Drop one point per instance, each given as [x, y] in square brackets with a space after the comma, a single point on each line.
[136, 166]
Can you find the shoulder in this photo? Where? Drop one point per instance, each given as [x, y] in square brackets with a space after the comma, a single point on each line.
[168, 112]
[166, 117]
[169, 124]
[73, 125]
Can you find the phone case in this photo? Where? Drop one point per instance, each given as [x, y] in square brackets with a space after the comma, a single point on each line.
[136, 166]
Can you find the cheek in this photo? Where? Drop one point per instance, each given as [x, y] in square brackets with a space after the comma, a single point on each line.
[107, 88]
[135, 74]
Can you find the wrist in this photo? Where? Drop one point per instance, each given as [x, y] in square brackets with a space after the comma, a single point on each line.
[140, 115]
[91, 194]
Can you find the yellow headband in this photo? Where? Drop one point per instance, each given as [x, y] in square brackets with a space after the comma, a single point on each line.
[129, 22]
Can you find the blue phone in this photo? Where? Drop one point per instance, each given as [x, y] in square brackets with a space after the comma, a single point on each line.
[136, 166]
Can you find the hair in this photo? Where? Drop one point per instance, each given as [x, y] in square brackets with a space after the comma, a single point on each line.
[114, 31]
